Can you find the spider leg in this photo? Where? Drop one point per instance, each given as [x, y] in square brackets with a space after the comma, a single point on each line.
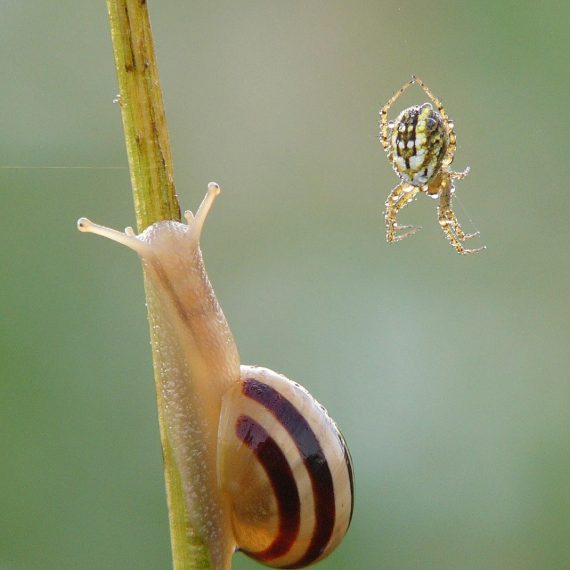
[401, 195]
[452, 143]
[449, 224]
[451, 148]
[460, 234]
[460, 175]
[434, 99]
[384, 127]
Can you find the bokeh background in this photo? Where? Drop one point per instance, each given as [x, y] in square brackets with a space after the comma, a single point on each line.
[447, 374]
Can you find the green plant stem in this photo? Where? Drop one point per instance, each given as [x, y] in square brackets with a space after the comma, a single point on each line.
[155, 199]
[144, 122]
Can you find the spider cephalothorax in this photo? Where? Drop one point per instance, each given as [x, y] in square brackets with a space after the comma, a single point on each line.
[421, 145]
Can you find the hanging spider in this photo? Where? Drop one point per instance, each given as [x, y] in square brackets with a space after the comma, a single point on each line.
[421, 146]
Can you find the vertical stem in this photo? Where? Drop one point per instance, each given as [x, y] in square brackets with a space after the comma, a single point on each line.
[144, 122]
[155, 199]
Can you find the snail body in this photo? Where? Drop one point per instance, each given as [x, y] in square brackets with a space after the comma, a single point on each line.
[263, 467]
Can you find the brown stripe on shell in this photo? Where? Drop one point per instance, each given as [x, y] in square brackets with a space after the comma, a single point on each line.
[282, 481]
[348, 461]
[314, 459]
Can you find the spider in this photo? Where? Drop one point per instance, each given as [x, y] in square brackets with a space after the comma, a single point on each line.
[421, 146]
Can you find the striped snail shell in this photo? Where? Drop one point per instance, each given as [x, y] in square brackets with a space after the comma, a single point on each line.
[263, 469]
[286, 468]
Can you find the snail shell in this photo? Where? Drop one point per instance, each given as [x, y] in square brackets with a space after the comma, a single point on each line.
[286, 469]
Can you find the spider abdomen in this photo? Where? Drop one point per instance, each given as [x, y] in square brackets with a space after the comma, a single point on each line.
[418, 144]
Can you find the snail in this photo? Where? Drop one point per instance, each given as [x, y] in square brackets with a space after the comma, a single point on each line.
[264, 468]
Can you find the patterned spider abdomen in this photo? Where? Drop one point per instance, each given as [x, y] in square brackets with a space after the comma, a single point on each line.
[417, 144]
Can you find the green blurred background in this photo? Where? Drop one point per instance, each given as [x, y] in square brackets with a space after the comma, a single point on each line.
[447, 374]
